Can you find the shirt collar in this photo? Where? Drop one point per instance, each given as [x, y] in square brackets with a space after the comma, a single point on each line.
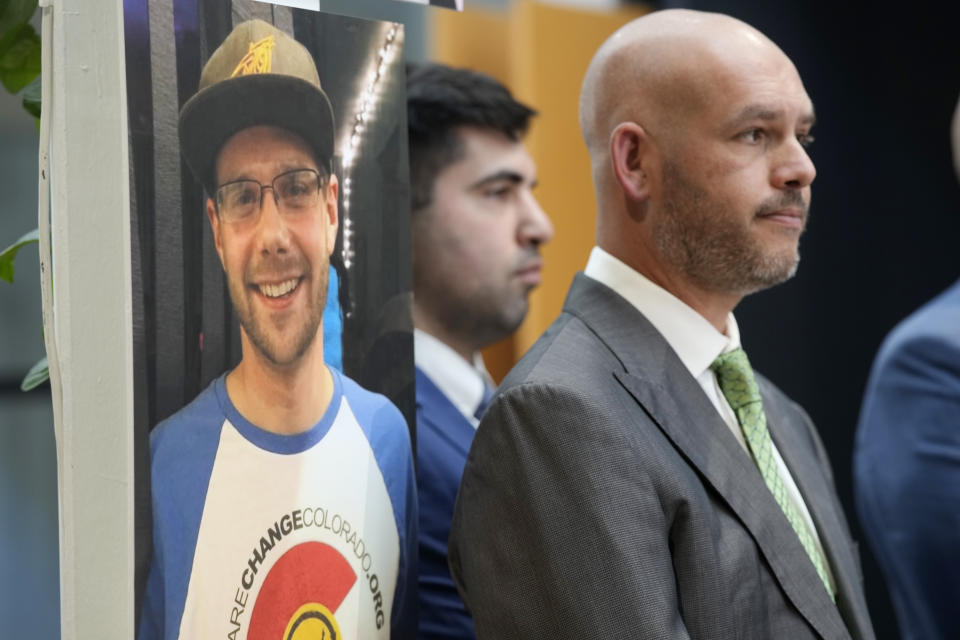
[696, 342]
[460, 381]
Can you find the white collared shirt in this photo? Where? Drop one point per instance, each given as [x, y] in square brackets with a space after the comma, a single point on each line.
[697, 343]
[460, 381]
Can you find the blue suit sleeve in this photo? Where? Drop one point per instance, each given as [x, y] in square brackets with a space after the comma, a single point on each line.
[907, 475]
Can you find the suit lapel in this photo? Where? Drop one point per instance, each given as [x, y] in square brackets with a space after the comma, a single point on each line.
[445, 419]
[665, 390]
[823, 508]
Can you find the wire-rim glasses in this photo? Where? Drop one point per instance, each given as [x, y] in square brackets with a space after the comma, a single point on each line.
[295, 193]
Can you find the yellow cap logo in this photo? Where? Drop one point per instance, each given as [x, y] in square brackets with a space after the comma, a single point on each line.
[312, 621]
[257, 60]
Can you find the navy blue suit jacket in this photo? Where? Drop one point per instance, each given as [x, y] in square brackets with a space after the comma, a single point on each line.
[907, 467]
[443, 441]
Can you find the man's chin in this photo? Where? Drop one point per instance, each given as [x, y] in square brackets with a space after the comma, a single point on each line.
[281, 357]
[774, 271]
[512, 316]
[281, 351]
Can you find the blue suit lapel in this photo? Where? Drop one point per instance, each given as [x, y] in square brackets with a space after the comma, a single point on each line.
[436, 412]
[444, 438]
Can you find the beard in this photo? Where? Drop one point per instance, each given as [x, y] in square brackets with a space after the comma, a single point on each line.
[281, 340]
[482, 314]
[486, 317]
[709, 242]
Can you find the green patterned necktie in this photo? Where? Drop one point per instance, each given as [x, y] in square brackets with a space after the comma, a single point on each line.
[739, 387]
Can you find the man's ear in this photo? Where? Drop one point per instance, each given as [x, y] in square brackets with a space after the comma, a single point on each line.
[331, 212]
[215, 227]
[630, 156]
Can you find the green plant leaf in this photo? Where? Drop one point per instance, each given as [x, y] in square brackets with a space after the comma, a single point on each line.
[38, 374]
[8, 254]
[31, 97]
[14, 13]
[20, 62]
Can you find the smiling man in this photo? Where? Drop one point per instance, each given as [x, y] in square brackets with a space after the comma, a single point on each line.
[477, 231]
[633, 477]
[284, 502]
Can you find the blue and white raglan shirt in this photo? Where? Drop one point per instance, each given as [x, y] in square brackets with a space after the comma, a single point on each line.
[258, 535]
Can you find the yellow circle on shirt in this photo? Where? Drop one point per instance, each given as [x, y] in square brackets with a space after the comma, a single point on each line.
[312, 621]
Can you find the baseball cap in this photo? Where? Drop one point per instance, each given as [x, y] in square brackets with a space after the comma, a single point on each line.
[259, 75]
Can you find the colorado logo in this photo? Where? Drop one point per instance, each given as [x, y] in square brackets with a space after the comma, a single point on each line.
[301, 593]
[314, 622]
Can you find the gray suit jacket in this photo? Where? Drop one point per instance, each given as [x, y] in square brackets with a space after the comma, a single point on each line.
[605, 497]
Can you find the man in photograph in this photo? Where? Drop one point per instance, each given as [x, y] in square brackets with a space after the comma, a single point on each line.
[633, 477]
[283, 496]
[477, 232]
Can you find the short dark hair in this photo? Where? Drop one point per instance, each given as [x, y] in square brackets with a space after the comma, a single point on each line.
[441, 99]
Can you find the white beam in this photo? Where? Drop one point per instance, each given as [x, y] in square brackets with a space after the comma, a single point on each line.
[87, 311]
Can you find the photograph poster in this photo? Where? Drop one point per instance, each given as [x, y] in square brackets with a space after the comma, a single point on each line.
[271, 305]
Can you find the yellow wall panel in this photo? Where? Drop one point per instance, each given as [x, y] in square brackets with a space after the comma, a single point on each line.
[474, 38]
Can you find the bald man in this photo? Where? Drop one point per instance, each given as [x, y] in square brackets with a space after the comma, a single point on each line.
[633, 477]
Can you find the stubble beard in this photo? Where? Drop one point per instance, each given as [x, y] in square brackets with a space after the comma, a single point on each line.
[266, 339]
[706, 243]
[483, 316]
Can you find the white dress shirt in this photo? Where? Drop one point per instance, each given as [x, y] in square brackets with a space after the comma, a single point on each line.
[697, 343]
[462, 382]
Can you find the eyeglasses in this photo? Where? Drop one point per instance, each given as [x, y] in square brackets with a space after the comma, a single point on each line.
[295, 193]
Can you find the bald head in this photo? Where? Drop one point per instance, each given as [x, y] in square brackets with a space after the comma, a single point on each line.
[697, 126]
[661, 67]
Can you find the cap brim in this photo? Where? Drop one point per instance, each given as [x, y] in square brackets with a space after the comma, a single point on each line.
[214, 114]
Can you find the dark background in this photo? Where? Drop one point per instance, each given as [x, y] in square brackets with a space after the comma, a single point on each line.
[885, 219]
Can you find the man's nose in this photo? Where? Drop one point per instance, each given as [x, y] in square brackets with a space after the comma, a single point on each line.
[535, 227]
[794, 168]
[273, 235]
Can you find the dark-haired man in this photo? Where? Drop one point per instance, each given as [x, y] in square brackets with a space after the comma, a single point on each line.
[283, 495]
[477, 230]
